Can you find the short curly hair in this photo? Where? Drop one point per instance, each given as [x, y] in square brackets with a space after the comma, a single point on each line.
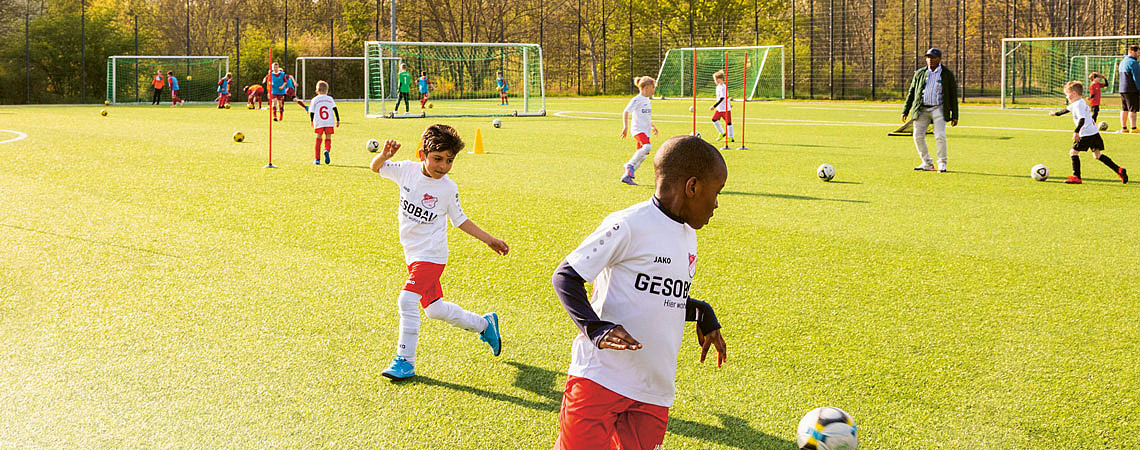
[442, 138]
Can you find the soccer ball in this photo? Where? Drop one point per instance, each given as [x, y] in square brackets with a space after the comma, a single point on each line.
[430, 106]
[103, 112]
[108, 102]
[825, 172]
[827, 428]
[188, 78]
[692, 109]
[1102, 125]
[227, 106]
[697, 133]
[249, 106]
[1039, 172]
[497, 123]
[373, 145]
[238, 136]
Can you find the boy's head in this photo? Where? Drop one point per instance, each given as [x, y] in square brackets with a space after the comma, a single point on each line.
[1095, 76]
[404, 67]
[1074, 89]
[690, 174]
[1134, 50]
[441, 143]
[322, 87]
[423, 74]
[719, 77]
[646, 85]
[170, 73]
[229, 75]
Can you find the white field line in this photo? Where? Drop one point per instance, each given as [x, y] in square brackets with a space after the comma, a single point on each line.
[795, 122]
[19, 136]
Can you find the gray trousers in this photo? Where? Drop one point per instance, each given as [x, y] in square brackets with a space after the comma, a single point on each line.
[926, 115]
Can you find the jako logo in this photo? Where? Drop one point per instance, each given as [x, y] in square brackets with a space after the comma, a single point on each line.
[429, 201]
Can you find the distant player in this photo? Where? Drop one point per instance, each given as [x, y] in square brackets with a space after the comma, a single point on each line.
[324, 117]
[1096, 83]
[641, 110]
[425, 86]
[723, 107]
[224, 90]
[254, 92]
[501, 82]
[175, 100]
[641, 262]
[428, 198]
[291, 88]
[1085, 136]
[277, 80]
[404, 86]
[158, 82]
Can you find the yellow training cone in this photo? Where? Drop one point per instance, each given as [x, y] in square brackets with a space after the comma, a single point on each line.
[478, 142]
[419, 145]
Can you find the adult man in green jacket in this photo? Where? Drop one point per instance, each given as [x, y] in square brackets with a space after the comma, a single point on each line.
[932, 97]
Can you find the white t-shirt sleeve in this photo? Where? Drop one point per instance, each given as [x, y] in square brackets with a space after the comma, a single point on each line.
[455, 211]
[606, 246]
[631, 107]
[393, 170]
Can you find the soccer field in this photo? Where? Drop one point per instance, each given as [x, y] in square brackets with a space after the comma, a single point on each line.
[159, 289]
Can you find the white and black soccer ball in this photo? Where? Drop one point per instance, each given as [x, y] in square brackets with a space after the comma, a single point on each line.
[372, 145]
[1102, 126]
[497, 123]
[1039, 172]
[825, 172]
[827, 428]
[697, 133]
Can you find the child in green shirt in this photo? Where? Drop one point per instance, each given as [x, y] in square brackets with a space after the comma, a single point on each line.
[405, 86]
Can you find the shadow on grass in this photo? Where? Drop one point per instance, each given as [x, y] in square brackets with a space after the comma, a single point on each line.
[787, 144]
[348, 167]
[91, 241]
[792, 197]
[1052, 179]
[733, 432]
[988, 138]
[844, 182]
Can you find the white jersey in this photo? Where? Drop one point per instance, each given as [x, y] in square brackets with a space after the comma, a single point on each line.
[1080, 110]
[424, 201]
[641, 264]
[641, 110]
[722, 97]
[321, 107]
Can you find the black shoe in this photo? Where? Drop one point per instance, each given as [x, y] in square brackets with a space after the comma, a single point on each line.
[327, 157]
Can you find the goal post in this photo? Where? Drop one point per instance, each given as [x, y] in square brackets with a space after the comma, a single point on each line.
[463, 78]
[341, 72]
[1034, 70]
[129, 77]
[763, 74]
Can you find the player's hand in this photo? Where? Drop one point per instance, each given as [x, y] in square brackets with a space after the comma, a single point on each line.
[618, 339]
[624, 133]
[904, 118]
[1076, 137]
[712, 108]
[499, 246]
[954, 123]
[654, 129]
[338, 124]
[1052, 113]
[713, 339]
[390, 148]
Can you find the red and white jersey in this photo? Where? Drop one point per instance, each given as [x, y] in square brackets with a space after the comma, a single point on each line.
[424, 201]
[322, 109]
[641, 110]
[722, 97]
[641, 264]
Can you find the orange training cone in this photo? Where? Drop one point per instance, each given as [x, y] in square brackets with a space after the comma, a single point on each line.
[478, 142]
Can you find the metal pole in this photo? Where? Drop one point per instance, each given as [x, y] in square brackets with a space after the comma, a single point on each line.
[793, 2]
[982, 44]
[831, 50]
[392, 19]
[285, 54]
[136, 82]
[811, 49]
[332, 52]
[237, 50]
[874, 41]
[604, 42]
[930, 24]
[83, 49]
[917, 51]
[692, 43]
[631, 74]
[843, 59]
[27, 59]
[377, 20]
[578, 66]
[902, 46]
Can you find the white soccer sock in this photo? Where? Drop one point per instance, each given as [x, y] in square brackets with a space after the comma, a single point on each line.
[730, 136]
[639, 156]
[719, 129]
[409, 304]
[456, 316]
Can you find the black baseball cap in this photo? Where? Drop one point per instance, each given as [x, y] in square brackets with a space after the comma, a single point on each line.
[934, 52]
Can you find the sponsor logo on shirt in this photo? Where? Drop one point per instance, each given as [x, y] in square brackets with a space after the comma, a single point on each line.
[661, 260]
[429, 201]
[663, 286]
[416, 212]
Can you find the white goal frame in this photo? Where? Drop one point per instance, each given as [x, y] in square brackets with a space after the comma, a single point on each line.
[756, 82]
[114, 69]
[1007, 104]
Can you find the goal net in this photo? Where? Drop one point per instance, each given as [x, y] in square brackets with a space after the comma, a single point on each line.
[463, 78]
[762, 77]
[341, 72]
[129, 77]
[1035, 70]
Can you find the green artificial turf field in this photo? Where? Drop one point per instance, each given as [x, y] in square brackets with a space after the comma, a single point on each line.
[159, 289]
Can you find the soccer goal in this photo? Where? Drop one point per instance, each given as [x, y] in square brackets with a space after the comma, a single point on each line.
[341, 72]
[1035, 70]
[462, 76]
[129, 77]
[686, 69]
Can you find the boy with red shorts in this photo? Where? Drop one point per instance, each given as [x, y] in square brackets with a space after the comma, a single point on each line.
[427, 195]
[324, 116]
[722, 109]
[641, 262]
[641, 111]
[255, 92]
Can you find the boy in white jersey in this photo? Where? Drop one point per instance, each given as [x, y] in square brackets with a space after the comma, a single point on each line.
[642, 112]
[324, 117]
[1085, 136]
[426, 196]
[641, 262]
[722, 107]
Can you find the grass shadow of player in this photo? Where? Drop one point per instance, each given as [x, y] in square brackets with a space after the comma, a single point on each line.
[789, 144]
[529, 378]
[791, 196]
[988, 138]
[91, 241]
[733, 432]
[348, 166]
[1052, 179]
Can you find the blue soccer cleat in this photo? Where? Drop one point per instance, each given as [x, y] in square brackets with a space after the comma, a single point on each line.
[400, 369]
[491, 334]
[627, 180]
[629, 171]
[327, 157]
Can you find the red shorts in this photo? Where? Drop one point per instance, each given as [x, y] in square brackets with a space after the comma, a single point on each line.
[290, 92]
[726, 115]
[325, 130]
[593, 417]
[423, 279]
[640, 139]
[273, 97]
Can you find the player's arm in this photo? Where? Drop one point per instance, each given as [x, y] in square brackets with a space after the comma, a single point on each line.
[1059, 113]
[624, 124]
[708, 329]
[909, 98]
[337, 115]
[1080, 123]
[389, 150]
[498, 245]
[719, 100]
[571, 290]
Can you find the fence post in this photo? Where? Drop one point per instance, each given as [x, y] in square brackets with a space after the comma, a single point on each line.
[692, 43]
[874, 47]
[237, 49]
[285, 54]
[831, 50]
[332, 53]
[27, 59]
[755, 12]
[83, 49]
[629, 4]
[982, 44]
[578, 66]
[604, 42]
[136, 83]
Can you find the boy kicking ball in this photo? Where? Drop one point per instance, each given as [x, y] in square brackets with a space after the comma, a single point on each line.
[641, 262]
[1085, 136]
[426, 196]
